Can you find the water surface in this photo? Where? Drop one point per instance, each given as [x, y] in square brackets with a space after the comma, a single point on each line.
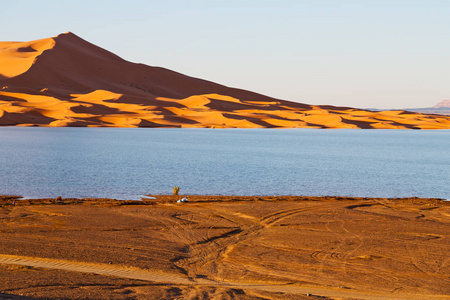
[124, 163]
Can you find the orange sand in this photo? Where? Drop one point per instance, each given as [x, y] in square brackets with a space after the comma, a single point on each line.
[67, 81]
[225, 247]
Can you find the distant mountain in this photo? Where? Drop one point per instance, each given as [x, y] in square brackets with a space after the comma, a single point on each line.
[443, 104]
[67, 81]
[442, 108]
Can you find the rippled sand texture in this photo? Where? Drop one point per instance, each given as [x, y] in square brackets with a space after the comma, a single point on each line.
[226, 248]
[67, 81]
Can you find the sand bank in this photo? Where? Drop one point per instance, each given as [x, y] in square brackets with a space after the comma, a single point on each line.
[226, 247]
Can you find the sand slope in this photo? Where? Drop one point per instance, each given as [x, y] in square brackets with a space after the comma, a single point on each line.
[67, 81]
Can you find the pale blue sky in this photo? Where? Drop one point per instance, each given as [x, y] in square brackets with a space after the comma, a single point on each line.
[383, 54]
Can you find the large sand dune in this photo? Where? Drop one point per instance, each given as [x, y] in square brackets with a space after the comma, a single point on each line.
[67, 81]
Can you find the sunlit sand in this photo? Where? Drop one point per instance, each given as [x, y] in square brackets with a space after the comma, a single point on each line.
[226, 247]
[67, 81]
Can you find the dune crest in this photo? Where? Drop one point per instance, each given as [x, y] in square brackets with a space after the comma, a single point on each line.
[17, 57]
[67, 81]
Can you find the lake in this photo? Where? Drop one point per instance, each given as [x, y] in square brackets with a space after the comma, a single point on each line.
[125, 163]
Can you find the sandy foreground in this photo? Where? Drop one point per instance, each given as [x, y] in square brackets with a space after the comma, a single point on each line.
[224, 247]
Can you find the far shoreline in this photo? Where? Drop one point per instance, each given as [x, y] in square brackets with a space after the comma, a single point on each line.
[228, 128]
[6, 200]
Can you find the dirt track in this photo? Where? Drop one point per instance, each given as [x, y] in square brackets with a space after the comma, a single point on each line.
[337, 248]
[139, 274]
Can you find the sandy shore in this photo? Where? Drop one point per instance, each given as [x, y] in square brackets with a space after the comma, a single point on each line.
[224, 247]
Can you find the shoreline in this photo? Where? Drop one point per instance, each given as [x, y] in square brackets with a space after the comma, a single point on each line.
[237, 247]
[155, 199]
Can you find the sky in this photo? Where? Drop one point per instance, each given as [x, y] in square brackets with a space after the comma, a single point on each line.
[366, 54]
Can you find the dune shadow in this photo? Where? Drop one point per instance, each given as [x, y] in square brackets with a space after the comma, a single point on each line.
[359, 124]
[26, 49]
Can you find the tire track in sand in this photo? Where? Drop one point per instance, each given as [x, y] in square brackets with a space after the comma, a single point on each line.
[159, 277]
[102, 269]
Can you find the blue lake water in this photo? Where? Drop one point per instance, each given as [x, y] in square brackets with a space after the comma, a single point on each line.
[124, 163]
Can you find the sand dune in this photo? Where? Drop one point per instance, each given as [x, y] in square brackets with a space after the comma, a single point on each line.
[67, 81]
[17, 57]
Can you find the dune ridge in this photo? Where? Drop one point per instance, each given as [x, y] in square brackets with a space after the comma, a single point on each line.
[67, 81]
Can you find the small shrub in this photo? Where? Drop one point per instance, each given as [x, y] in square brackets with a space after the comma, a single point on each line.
[176, 190]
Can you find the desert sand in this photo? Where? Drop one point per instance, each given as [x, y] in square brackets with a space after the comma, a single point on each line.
[67, 81]
[225, 247]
